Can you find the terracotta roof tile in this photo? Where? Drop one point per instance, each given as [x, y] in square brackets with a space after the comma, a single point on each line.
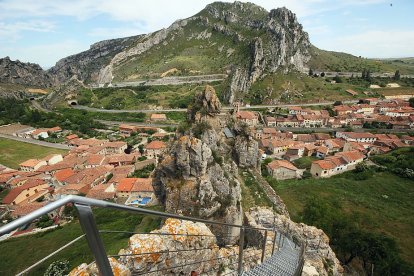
[275, 164]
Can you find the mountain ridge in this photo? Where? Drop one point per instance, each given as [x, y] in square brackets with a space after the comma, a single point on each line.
[242, 40]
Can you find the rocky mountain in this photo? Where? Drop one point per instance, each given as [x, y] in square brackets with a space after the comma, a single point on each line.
[86, 65]
[21, 73]
[239, 39]
[253, 47]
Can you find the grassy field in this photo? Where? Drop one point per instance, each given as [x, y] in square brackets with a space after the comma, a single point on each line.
[178, 96]
[382, 203]
[18, 253]
[304, 162]
[252, 193]
[12, 153]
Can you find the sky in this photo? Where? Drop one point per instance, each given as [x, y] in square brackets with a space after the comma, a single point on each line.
[44, 31]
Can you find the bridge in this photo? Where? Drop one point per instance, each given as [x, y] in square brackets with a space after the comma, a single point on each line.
[287, 250]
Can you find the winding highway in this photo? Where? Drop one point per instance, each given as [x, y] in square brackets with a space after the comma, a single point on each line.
[87, 108]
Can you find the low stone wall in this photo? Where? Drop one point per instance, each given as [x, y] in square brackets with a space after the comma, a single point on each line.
[279, 205]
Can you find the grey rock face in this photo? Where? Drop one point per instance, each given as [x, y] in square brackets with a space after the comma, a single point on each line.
[247, 152]
[205, 104]
[88, 64]
[189, 181]
[23, 73]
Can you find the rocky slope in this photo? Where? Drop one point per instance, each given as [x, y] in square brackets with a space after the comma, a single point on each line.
[87, 65]
[193, 179]
[197, 177]
[246, 41]
[17, 72]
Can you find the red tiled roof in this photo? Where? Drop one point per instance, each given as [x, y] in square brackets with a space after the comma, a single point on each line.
[325, 164]
[322, 149]
[30, 183]
[155, 145]
[351, 155]
[55, 129]
[142, 185]
[359, 135]
[71, 136]
[126, 184]
[62, 175]
[30, 163]
[95, 159]
[116, 144]
[275, 164]
[24, 209]
[158, 116]
[246, 115]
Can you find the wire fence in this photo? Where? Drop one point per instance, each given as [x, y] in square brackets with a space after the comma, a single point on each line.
[236, 261]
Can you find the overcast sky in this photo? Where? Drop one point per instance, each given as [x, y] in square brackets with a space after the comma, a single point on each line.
[44, 31]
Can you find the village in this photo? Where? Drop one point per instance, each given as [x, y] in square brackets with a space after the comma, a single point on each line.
[120, 168]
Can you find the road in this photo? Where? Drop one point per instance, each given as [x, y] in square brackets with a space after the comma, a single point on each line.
[36, 142]
[117, 123]
[325, 129]
[87, 108]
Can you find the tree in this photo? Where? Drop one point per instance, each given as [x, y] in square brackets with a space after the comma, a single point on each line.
[141, 149]
[397, 75]
[336, 103]
[58, 268]
[323, 74]
[411, 101]
[337, 79]
[310, 72]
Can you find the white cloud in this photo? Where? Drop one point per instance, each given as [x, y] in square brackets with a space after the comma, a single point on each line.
[374, 44]
[45, 54]
[12, 31]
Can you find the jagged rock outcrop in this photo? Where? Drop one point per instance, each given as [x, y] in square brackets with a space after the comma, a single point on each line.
[319, 255]
[245, 41]
[29, 74]
[88, 64]
[246, 151]
[181, 248]
[205, 103]
[84, 269]
[189, 181]
[286, 46]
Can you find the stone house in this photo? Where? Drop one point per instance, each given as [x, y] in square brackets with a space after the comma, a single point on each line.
[282, 169]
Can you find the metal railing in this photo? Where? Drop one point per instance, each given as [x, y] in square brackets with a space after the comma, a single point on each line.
[93, 235]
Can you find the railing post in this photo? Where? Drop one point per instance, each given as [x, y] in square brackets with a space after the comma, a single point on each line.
[279, 244]
[87, 222]
[241, 249]
[274, 241]
[264, 246]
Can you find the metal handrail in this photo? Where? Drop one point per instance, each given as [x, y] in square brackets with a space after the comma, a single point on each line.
[87, 221]
[105, 204]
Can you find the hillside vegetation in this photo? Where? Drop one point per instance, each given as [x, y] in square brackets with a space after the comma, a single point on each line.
[357, 209]
[15, 255]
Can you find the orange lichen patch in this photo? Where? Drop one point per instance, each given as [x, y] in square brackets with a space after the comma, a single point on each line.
[146, 244]
[81, 270]
[118, 269]
[183, 138]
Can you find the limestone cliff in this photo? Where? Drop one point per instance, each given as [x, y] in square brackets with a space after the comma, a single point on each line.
[21, 73]
[189, 181]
